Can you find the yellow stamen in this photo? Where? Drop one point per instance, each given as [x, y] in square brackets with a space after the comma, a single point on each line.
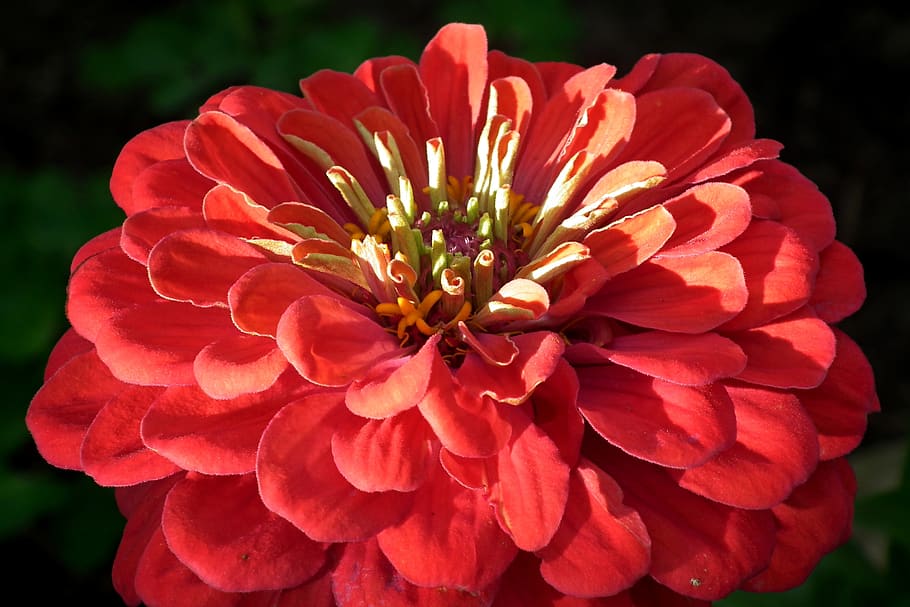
[388, 309]
[354, 230]
[376, 220]
[458, 190]
[412, 314]
[463, 314]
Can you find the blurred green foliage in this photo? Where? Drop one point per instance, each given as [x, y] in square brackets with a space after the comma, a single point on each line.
[81, 79]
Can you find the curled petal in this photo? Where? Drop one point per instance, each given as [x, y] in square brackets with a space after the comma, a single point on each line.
[626, 244]
[239, 364]
[518, 300]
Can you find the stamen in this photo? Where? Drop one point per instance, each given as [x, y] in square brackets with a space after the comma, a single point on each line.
[412, 314]
[354, 230]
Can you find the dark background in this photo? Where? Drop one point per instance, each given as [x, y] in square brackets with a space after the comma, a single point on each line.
[80, 79]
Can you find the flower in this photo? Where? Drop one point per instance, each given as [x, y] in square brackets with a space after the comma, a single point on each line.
[466, 331]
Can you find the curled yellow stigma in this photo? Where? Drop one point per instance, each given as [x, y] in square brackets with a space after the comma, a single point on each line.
[412, 314]
[521, 216]
[458, 191]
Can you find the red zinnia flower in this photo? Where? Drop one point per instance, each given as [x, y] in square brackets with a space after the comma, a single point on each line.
[466, 331]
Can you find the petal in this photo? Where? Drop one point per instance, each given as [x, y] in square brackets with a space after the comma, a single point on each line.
[164, 142]
[231, 211]
[113, 453]
[62, 411]
[453, 67]
[603, 128]
[813, 521]
[707, 216]
[155, 344]
[740, 157]
[602, 546]
[839, 405]
[331, 344]
[840, 288]
[392, 454]
[70, 345]
[792, 352]
[339, 95]
[538, 355]
[237, 365]
[776, 449]
[143, 230]
[447, 519]
[214, 436]
[370, 71]
[626, 244]
[680, 294]
[99, 244]
[779, 269]
[299, 481]
[699, 548]
[689, 360]
[657, 421]
[220, 530]
[200, 265]
[554, 411]
[406, 96]
[171, 183]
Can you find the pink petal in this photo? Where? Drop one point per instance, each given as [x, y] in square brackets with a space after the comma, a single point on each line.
[143, 230]
[62, 411]
[164, 142]
[629, 242]
[707, 216]
[780, 273]
[447, 519]
[776, 449]
[689, 360]
[814, 520]
[237, 365]
[453, 67]
[840, 289]
[113, 453]
[699, 548]
[228, 152]
[155, 344]
[602, 546]
[792, 352]
[654, 420]
[200, 265]
[298, 479]
[365, 578]
[219, 529]
[214, 436]
[538, 355]
[395, 386]
[680, 294]
[331, 344]
[839, 405]
[392, 454]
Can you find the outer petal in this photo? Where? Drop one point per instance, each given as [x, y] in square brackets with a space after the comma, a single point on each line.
[237, 365]
[707, 216]
[142, 231]
[219, 528]
[840, 289]
[163, 142]
[776, 449]
[447, 520]
[299, 481]
[654, 420]
[626, 244]
[170, 183]
[602, 546]
[70, 345]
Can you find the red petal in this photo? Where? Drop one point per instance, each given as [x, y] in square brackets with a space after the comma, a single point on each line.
[228, 152]
[602, 546]
[199, 266]
[678, 127]
[113, 453]
[338, 95]
[154, 344]
[370, 71]
[447, 520]
[654, 420]
[305, 215]
[453, 68]
[791, 352]
[466, 423]
[406, 96]
[218, 527]
[690, 360]
[261, 296]
[780, 273]
[237, 365]
[513, 99]
[501, 66]
[214, 436]
[414, 158]
[142, 231]
[629, 242]
[105, 284]
[840, 289]
[171, 183]
[747, 154]
[707, 216]
[776, 449]
[163, 142]
[840, 404]
[538, 355]
[699, 548]
[648, 593]
[63, 409]
[392, 454]
[603, 129]
[299, 481]
[680, 294]
[554, 411]
[531, 487]
[813, 521]
[331, 344]
[365, 578]
[231, 211]
[70, 345]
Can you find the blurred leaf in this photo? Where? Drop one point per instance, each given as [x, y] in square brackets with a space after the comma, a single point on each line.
[26, 498]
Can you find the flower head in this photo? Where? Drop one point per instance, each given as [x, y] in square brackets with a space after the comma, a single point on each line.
[465, 331]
